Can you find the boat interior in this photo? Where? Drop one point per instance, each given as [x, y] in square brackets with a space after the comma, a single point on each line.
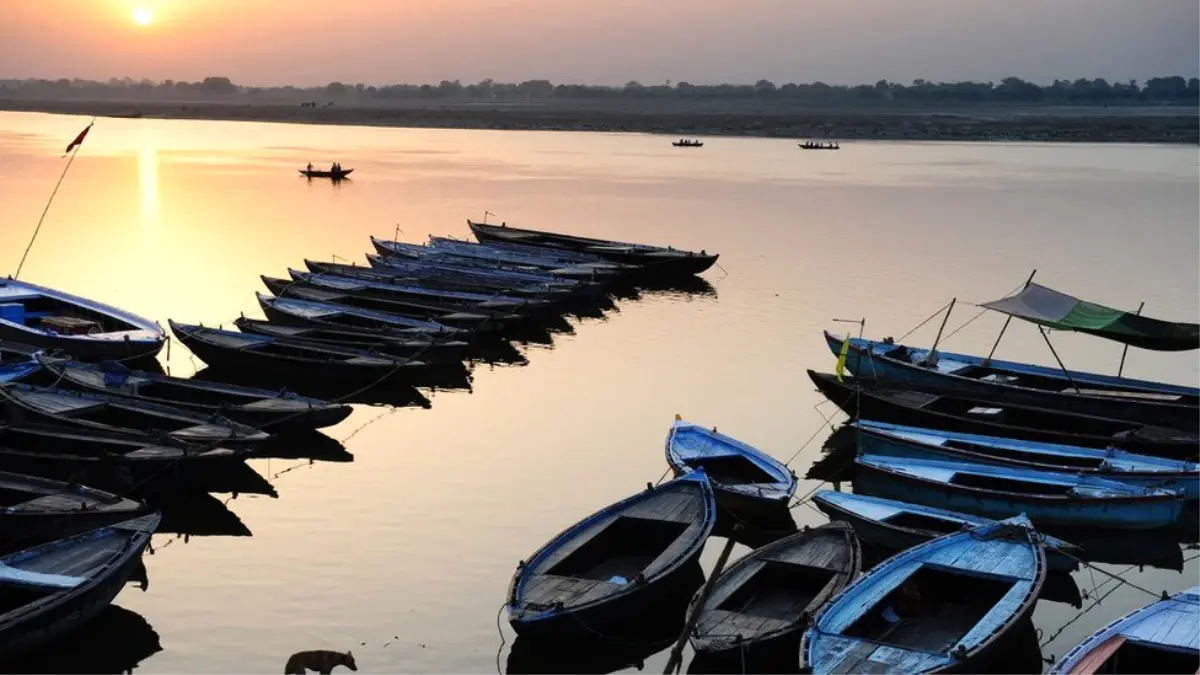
[85, 409]
[63, 441]
[733, 469]
[778, 590]
[1012, 485]
[50, 314]
[1122, 656]
[1018, 416]
[160, 389]
[1030, 455]
[948, 604]
[620, 551]
[922, 521]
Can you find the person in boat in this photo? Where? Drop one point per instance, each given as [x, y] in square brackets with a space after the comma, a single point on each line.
[309, 167]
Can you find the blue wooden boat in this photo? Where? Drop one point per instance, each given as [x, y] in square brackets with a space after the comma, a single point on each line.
[54, 588]
[948, 605]
[998, 491]
[895, 526]
[303, 312]
[1162, 637]
[1142, 401]
[88, 330]
[470, 300]
[262, 408]
[105, 412]
[768, 596]
[747, 481]
[895, 440]
[18, 362]
[888, 403]
[616, 563]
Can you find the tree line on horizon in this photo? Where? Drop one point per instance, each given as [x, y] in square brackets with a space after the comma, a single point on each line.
[1172, 90]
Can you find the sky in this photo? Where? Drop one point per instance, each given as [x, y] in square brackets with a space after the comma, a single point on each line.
[313, 42]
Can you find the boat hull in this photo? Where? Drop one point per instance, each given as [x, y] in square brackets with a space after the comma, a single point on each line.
[1126, 513]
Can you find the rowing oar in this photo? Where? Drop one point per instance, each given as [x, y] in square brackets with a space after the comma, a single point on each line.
[675, 661]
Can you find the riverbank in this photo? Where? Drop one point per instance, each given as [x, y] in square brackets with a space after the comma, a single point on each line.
[1090, 125]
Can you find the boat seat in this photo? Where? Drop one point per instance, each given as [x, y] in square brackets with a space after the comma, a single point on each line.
[20, 577]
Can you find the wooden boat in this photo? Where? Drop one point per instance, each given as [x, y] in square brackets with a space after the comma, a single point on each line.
[305, 312]
[747, 481]
[770, 595]
[32, 506]
[1161, 637]
[562, 255]
[54, 588]
[265, 355]
[894, 440]
[1141, 401]
[261, 408]
[895, 526]
[107, 412]
[615, 563]
[17, 361]
[1048, 497]
[436, 351]
[88, 330]
[396, 253]
[124, 461]
[319, 173]
[817, 145]
[353, 276]
[949, 412]
[556, 261]
[664, 261]
[373, 302]
[471, 279]
[948, 605]
[688, 144]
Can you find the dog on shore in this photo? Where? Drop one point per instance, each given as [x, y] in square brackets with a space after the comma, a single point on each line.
[321, 660]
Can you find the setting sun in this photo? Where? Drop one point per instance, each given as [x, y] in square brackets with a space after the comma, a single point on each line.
[142, 16]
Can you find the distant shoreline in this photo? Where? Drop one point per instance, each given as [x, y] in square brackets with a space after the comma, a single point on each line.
[1177, 124]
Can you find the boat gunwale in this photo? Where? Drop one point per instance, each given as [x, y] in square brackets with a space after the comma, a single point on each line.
[782, 488]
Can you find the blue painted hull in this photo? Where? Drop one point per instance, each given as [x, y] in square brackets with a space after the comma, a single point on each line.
[874, 444]
[1140, 513]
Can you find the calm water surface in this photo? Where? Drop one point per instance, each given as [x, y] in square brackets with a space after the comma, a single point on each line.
[410, 547]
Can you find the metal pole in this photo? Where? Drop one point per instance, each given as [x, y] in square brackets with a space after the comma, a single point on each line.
[1006, 322]
[1125, 350]
[676, 658]
[862, 324]
[1060, 363]
[943, 326]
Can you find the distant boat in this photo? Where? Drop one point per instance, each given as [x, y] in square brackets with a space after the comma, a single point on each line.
[50, 319]
[54, 588]
[319, 173]
[948, 604]
[746, 480]
[684, 143]
[1161, 637]
[819, 145]
[615, 564]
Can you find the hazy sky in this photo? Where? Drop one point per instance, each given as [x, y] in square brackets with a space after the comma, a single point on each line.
[308, 42]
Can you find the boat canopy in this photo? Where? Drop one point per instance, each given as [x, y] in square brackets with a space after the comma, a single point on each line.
[1048, 307]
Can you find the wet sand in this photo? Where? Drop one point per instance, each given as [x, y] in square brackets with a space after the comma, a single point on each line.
[1051, 124]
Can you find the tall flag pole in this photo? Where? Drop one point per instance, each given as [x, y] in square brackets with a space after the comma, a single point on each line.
[72, 150]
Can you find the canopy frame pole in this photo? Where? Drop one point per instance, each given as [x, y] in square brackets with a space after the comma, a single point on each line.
[862, 324]
[1007, 320]
[936, 340]
[1060, 363]
[1125, 349]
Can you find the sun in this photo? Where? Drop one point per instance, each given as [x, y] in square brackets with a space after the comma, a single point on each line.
[142, 16]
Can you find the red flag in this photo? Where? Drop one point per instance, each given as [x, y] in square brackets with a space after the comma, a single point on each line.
[78, 139]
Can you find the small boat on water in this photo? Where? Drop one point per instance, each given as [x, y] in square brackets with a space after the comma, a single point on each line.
[658, 260]
[1161, 637]
[949, 605]
[555, 261]
[323, 173]
[120, 460]
[250, 353]
[553, 273]
[54, 588]
[353, 276]
[467, 278]
[305, 312]
[261, 408]
[32, 506]
[107, 412]
[373, 302]
[616, 563]
[747, 481]
[953, 412]
[769, 595]
[819, 145]
[1142, 401]
[895, 526]
[685, 143]
[1052, 498]
[88, 330]
[439, 351]
[894, 440]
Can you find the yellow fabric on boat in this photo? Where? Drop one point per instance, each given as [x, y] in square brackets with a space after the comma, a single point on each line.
[841, 362]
